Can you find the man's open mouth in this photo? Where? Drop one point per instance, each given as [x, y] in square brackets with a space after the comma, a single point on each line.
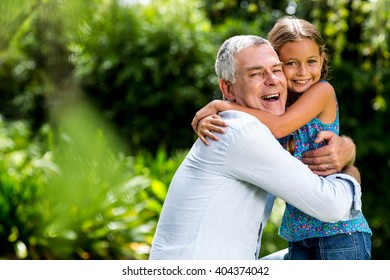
[271, 97]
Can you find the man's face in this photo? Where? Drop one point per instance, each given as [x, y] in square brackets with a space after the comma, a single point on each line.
[260, 82]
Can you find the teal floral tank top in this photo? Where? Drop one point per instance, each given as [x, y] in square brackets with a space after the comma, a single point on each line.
[296, 225]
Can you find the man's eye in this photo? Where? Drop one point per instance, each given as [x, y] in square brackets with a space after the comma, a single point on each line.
[257, 74]
[312, 61]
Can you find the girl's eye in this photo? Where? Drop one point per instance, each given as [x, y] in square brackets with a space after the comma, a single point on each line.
[291, 63]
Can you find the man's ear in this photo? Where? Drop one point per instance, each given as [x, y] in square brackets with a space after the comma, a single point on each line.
[226, 88]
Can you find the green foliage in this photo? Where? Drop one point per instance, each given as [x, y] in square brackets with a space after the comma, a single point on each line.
[82, 199]
[147, 68]
[23, 168]
[91, 197]
[149, 65]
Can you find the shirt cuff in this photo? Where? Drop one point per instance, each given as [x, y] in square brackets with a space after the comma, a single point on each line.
[357, 192]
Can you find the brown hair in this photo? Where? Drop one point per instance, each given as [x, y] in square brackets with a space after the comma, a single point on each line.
[290, 29]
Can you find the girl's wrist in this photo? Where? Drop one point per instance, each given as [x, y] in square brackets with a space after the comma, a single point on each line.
[218, 106]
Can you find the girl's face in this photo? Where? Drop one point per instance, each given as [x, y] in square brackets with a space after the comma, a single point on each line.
[302, 64]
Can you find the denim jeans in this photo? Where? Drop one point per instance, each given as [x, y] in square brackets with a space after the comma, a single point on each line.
[349, 246]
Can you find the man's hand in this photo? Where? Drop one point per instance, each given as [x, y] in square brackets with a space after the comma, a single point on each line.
[333, 157]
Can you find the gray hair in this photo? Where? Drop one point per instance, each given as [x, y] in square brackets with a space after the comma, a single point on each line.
[225, 64]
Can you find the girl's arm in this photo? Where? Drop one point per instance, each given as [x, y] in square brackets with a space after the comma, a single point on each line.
[209, 109]
[318, 101]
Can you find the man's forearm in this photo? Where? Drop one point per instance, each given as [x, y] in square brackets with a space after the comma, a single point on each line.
[353, 172]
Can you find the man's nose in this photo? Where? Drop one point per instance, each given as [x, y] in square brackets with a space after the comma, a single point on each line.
[272, 79]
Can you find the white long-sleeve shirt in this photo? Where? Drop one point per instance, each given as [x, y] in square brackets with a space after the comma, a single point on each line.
[216, 206]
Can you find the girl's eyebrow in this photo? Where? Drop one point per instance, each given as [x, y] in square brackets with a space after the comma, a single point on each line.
[310, 57]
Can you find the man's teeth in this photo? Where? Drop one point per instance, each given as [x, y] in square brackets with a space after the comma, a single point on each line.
[272, 96]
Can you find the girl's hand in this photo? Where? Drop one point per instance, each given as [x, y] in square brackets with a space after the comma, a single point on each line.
[211, 108]
[208, 125]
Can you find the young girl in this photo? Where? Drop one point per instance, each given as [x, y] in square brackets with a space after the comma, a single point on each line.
[312, 107]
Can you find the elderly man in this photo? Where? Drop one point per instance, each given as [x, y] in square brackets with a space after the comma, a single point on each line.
[217, 206]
